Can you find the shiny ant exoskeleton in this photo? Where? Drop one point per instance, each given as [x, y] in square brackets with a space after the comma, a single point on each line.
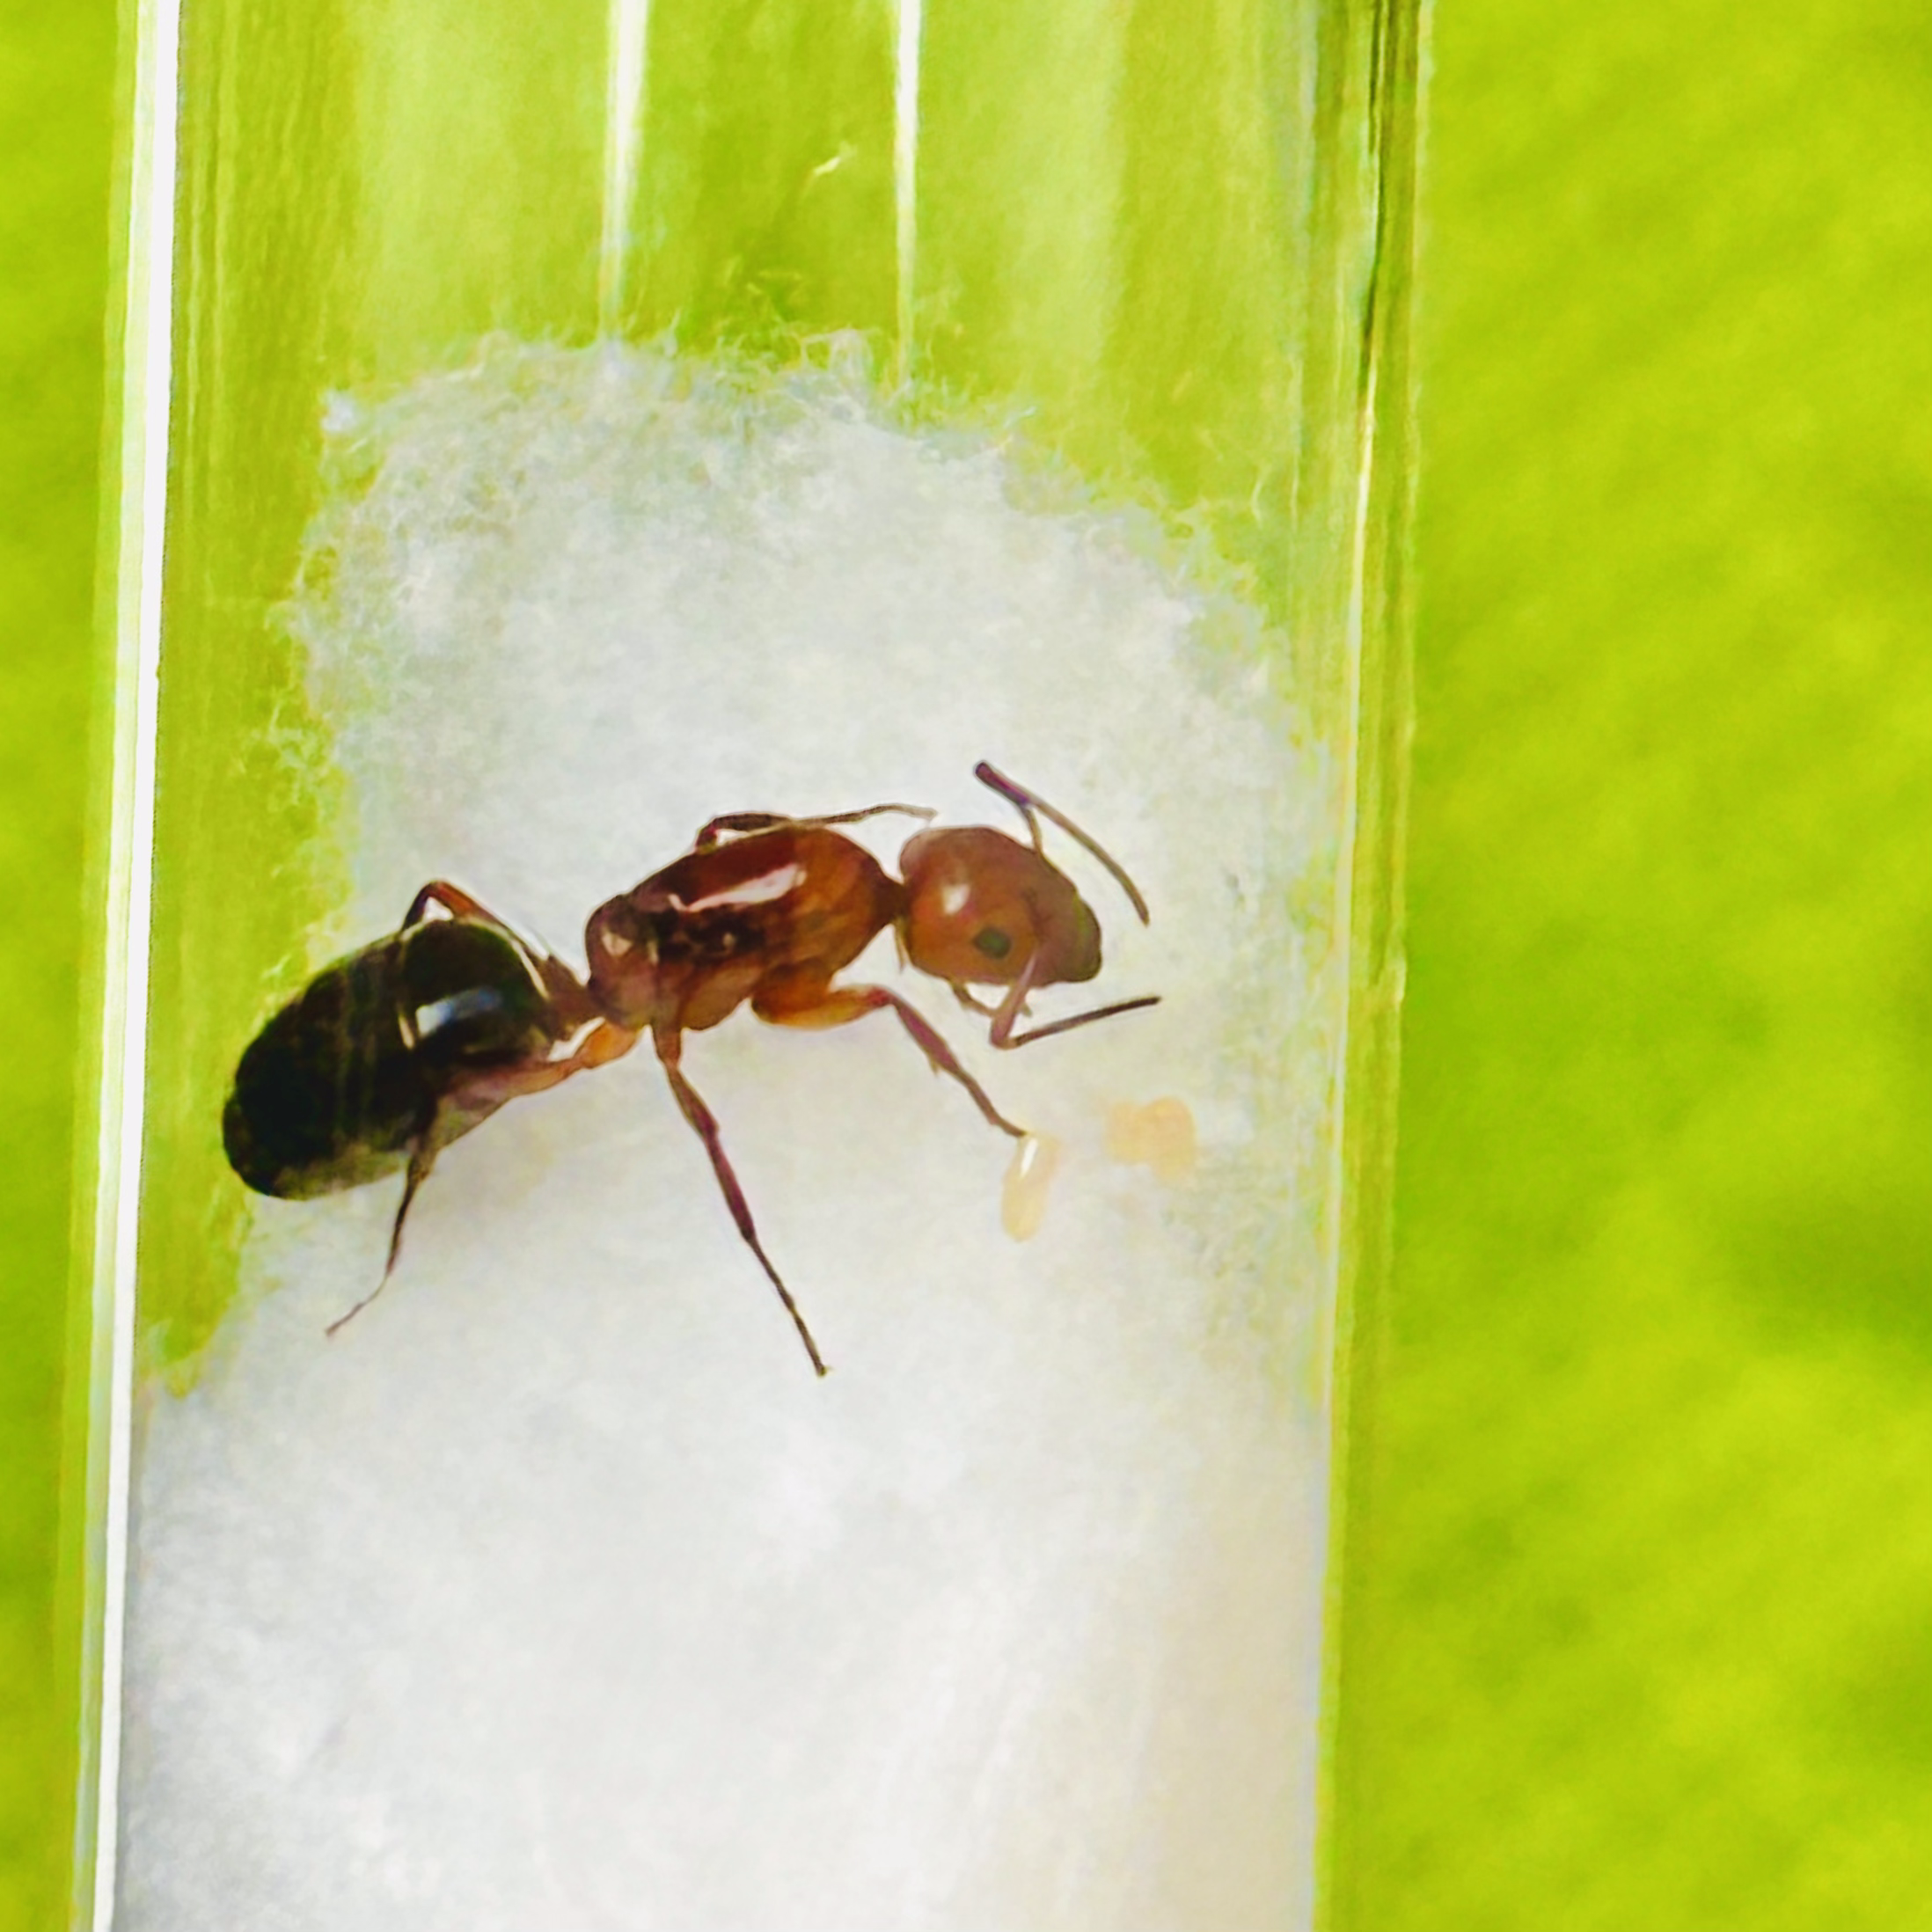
[393, 1052]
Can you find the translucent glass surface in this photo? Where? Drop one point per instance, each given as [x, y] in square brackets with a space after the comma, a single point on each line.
[582, 426]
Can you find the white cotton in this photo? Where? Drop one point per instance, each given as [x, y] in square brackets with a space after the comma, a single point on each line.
[556, 1593]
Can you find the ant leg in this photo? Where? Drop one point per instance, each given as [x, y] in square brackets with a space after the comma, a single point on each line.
[757, 822]
[453, 900]
[1013, 1005]
[481, 1097]
[704, 1124]
[1027, 803]
[421, 1158]
[970, 999]
[840, 1005]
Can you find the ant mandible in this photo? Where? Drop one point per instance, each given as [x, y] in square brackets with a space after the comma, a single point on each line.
[766, 908]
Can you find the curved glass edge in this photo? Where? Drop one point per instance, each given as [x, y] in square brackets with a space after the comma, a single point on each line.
[97, 1421]
[1380, 68]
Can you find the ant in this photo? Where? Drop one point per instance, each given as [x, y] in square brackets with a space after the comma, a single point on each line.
[766, 908]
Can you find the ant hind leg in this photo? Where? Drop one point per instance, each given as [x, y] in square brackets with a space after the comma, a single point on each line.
[422, 1157]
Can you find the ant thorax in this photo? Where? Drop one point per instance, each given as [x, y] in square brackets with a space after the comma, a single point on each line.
[687, 946]
[642, 963]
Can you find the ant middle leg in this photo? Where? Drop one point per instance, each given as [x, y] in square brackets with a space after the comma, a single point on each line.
[814, 1004]
[704, 1122]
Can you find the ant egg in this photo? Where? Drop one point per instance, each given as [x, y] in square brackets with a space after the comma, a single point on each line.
[1159, 1136]
[1023, 1194]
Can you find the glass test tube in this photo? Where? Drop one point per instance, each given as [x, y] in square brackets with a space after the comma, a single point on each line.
[546, 431]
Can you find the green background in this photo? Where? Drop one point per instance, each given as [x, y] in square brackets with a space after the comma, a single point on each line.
[1640, 1595]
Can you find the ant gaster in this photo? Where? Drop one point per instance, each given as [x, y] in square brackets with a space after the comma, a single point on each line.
[768, 908]
[391, 1053]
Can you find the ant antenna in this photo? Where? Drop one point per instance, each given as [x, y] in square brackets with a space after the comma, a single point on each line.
[1027, 803]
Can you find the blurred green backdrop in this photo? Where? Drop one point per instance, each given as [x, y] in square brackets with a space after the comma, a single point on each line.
[56, 99]
[1640, 1601]
[1641, 1619]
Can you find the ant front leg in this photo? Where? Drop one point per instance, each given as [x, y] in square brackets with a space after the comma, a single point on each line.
[817, 1005]
[704, 1122]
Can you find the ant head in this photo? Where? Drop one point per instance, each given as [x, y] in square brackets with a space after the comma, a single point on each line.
[980, 907]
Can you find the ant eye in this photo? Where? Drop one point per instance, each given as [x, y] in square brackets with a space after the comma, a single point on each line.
[992, 943]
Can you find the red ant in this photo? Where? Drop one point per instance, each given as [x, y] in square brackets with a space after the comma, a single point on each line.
[769, 908]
